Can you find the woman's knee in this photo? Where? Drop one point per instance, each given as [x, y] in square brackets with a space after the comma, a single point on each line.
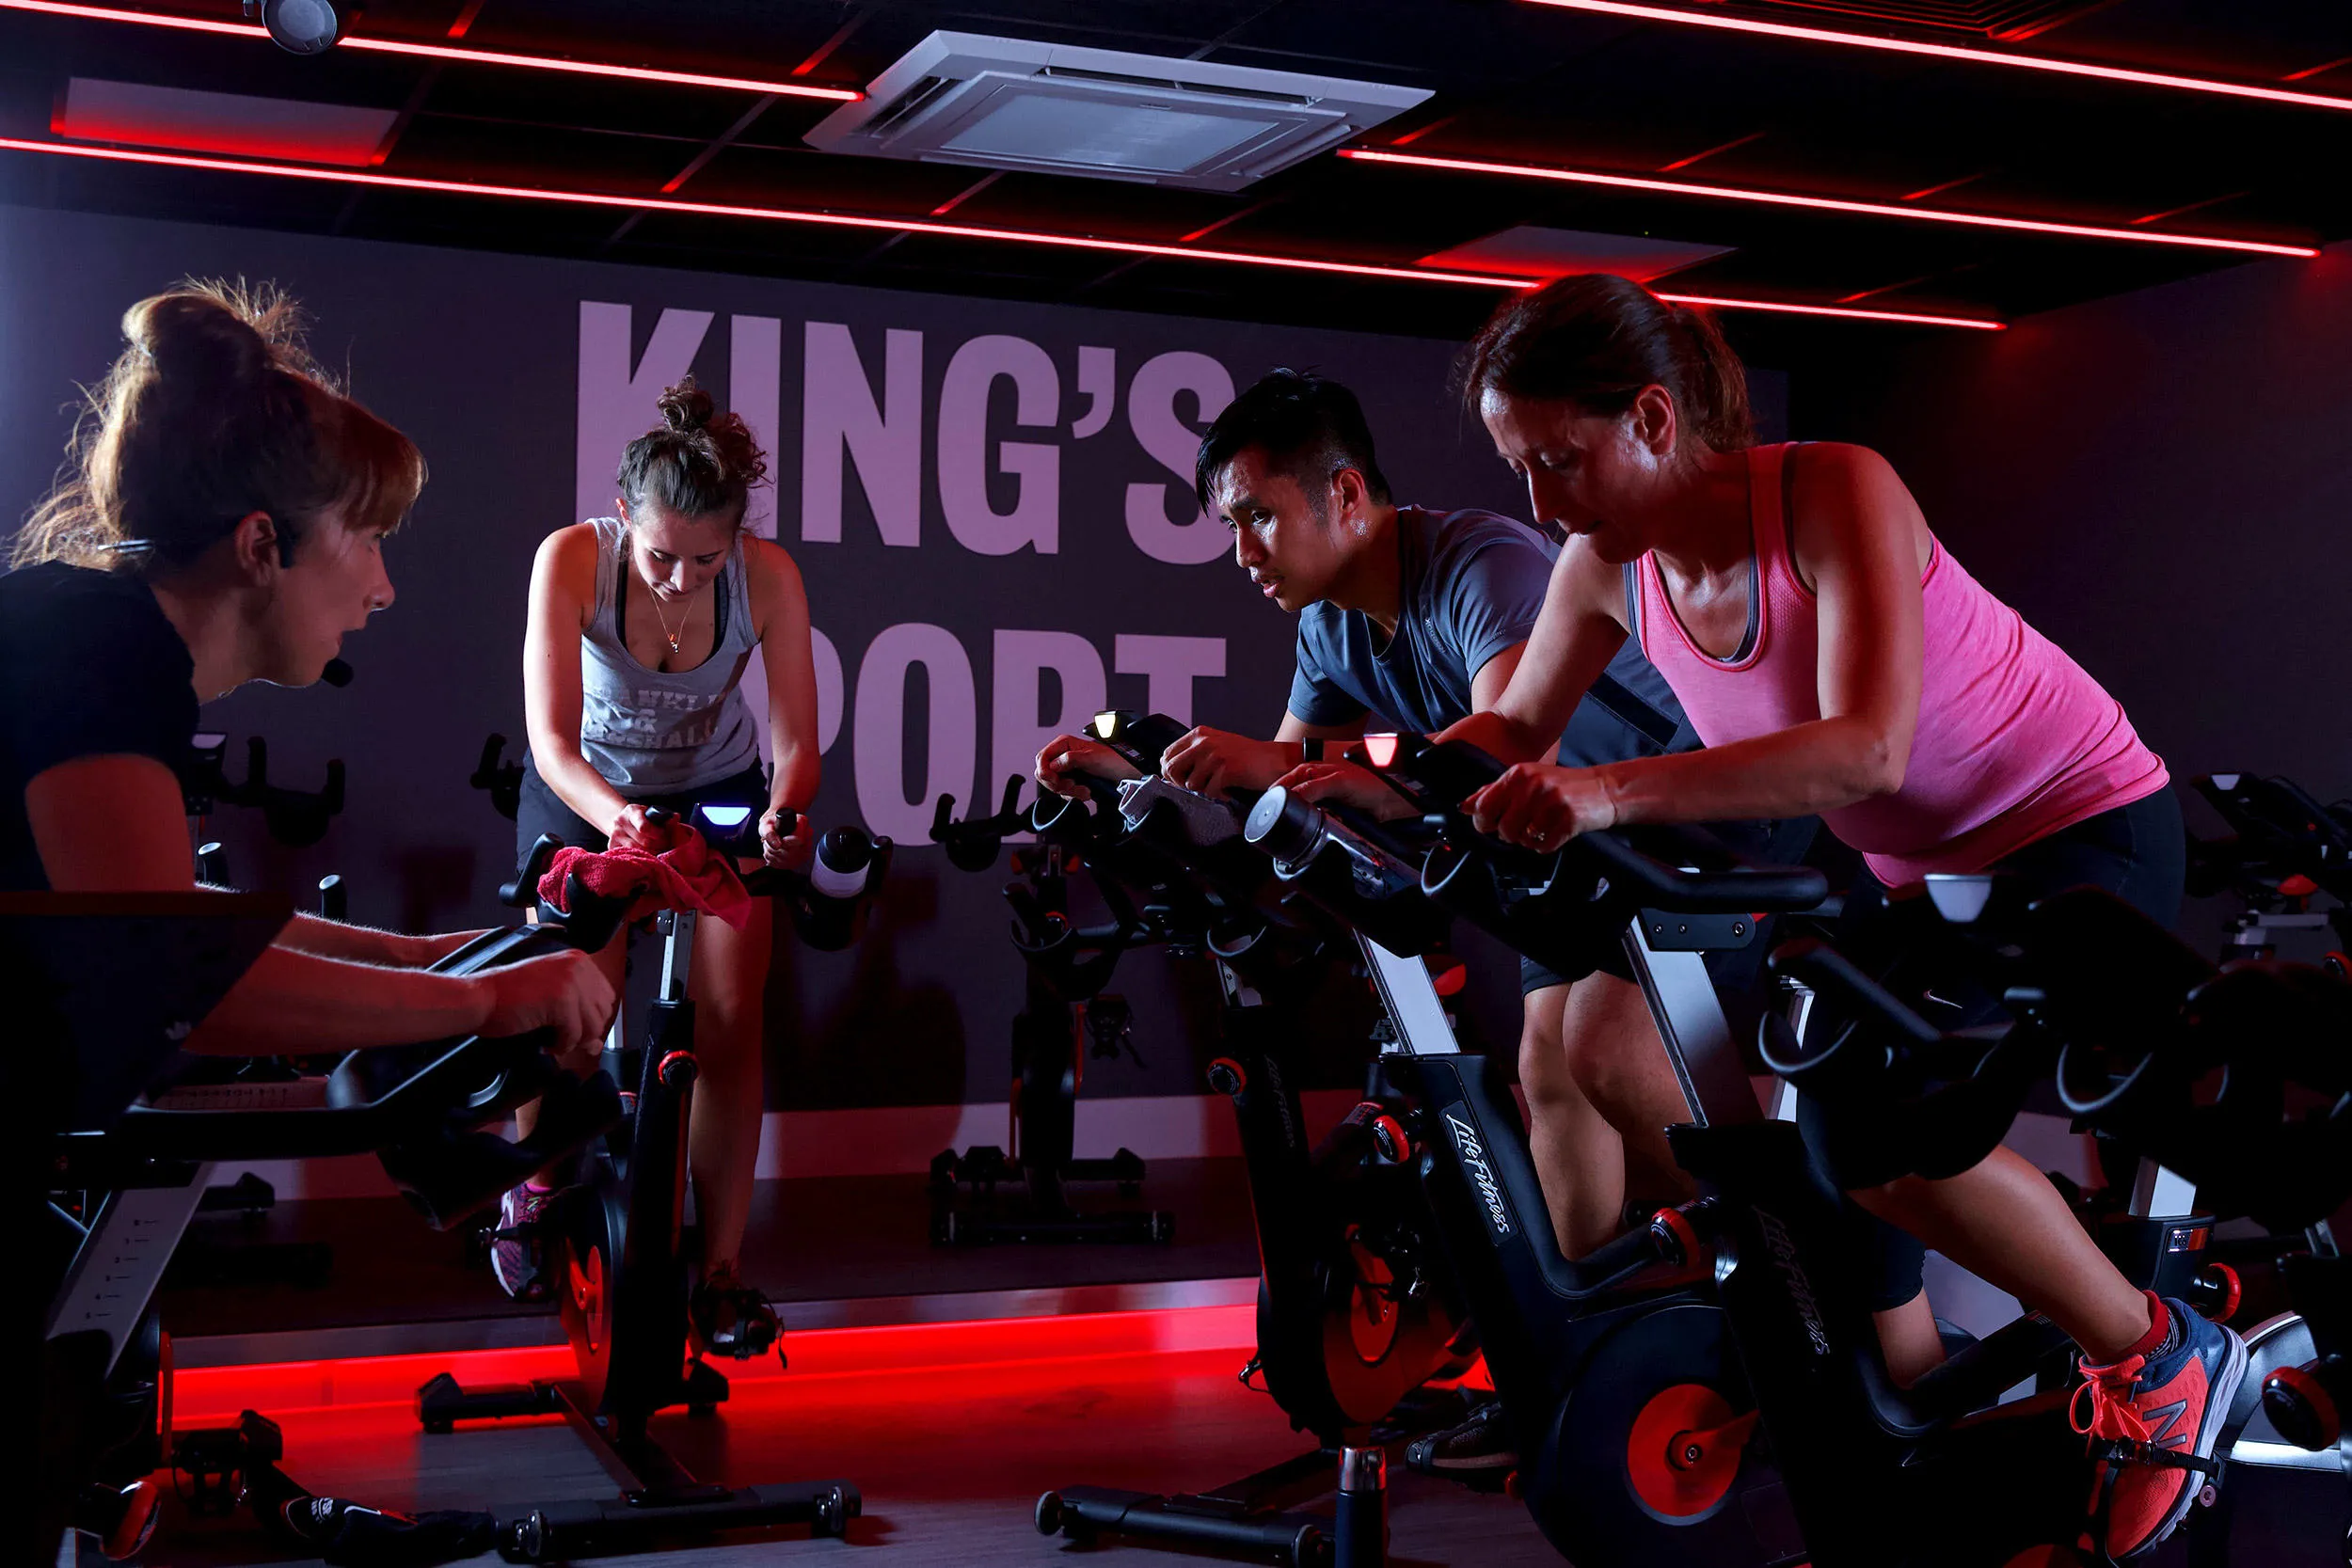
[1546, 1076]
[1603, 1021]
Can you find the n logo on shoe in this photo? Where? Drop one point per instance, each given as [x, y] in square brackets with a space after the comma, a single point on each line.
[2161, 1422]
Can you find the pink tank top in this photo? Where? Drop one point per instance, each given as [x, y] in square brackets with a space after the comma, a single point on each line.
[2014, 741]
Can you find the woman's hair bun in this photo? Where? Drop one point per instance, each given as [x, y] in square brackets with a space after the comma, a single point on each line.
[697, 463]
[686, 406]
[213, 412]
[200, 339]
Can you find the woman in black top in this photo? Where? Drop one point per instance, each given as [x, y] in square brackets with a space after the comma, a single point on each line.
[224, 523]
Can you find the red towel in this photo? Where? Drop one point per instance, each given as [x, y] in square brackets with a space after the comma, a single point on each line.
[690, 876]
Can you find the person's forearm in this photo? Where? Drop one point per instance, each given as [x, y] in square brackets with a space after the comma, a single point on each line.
[798, 773]
[1800, 772]
[578, 785]
[333, 938]
[1504, 739]
[292, 1003]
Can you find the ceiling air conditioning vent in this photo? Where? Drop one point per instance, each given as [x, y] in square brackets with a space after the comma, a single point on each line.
[1007, 104]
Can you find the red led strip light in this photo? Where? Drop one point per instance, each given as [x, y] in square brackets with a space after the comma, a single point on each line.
[1954, 52]
[920, 225]
[1822, 203]
[440, 52]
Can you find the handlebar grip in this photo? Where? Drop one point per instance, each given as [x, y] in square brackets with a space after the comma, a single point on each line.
[1742, 890]
[1833, 974]
[487, 767]
[1050, 810]
[523, 892]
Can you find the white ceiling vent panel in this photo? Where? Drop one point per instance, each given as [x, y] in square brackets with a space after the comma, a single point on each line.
[1005, 104]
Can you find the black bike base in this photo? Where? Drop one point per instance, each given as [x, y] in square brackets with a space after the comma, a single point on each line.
[1251, 1516]
[1008, 1202]
[645, 1520]
[660, 1504]
[953, 1225]
[1082, 1513]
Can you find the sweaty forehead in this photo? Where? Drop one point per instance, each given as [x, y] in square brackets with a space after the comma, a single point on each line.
[1525, 424]
[1249, 483]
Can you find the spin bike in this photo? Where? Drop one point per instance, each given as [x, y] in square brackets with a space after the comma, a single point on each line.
[2229, 1082]
[1066, 1018]
[1742, 1414]
[624, 1284]
[125, 1145]
[1354, 1314]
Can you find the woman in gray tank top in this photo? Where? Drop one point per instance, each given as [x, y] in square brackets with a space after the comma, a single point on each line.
[642, 628]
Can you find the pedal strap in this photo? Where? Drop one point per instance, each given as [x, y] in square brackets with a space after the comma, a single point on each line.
[735, 1320]
[2126, 1450]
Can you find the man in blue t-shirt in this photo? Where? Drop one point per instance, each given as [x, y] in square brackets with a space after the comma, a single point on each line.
[1412, 619]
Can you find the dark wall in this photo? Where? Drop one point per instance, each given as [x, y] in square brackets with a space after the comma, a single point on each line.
[2162, 483]
[520, 377]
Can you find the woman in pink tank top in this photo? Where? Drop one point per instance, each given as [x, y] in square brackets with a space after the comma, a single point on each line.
[1836, 659]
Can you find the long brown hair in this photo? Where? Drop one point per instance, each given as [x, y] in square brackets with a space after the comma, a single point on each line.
[1596, 341]
[216, 411]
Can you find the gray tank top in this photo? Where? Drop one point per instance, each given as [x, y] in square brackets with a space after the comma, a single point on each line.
[655, 732]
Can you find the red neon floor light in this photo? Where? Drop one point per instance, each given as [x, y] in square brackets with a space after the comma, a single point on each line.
[1821, 204]
[1953, 51]
[922, 226]
[440, 52]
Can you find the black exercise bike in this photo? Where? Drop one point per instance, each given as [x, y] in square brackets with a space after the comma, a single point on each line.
[1354, 1315]
[1741, 1412]
[619, 1246]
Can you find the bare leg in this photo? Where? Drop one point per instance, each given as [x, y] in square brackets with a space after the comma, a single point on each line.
[1578, 1157]
[2004, 1222]
[730, 983]
[1611, 1047]
[1911, 1343]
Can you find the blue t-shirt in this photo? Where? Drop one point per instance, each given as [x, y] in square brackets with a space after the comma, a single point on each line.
[1471, 585]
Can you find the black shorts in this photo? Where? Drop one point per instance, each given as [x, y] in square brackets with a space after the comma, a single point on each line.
[2139, 852]
[538, 810]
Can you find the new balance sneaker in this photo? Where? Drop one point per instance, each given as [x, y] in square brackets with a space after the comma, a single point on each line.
[517, 1252]
[2151, 1415]
[732, 1319]
[1480, 1444]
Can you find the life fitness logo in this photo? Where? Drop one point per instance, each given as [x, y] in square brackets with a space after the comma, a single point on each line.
[1792, 1274]
[1474, 1152]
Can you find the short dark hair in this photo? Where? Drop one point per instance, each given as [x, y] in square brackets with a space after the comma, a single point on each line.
[1309, 427]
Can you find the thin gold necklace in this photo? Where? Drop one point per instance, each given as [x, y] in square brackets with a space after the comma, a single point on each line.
[674, 637]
